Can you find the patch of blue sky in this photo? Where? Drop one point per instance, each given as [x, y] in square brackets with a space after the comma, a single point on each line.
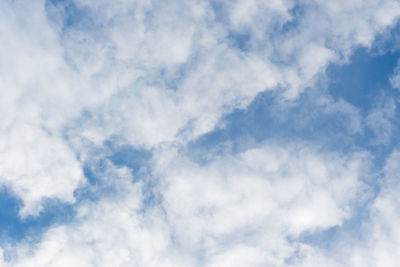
[138, 160]
[266, 119]
[97, 187]
[69, 13]
[14, 229]
[364, 79]
[219, 10]
[135, 158]
[239, 40]
[360, 83]
[296, 13]
[364, 83]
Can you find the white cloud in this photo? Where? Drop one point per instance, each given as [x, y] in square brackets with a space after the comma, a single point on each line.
[395, 78]
[37, 165]
[158, 74]
[189, 68]
[379, 120]
[237, 209]
[259, 185]
[381, 233]
[37, 99]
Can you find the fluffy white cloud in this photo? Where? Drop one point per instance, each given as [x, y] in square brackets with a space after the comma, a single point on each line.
[256, 200]
[37, 165]
[157, 74]
[179, 74]
[37, 97]
[238, 209]
[381, 233]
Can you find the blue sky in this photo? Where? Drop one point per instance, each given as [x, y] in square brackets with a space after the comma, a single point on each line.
[199, 133]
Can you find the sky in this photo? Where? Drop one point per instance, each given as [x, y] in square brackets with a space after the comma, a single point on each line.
[199, 133]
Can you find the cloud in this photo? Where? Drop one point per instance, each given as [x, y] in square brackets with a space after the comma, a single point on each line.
[242, 208]
[156, 75]
[185, 71]
[37, 99]
[379, 120]
[395, 78]
[37, 166]
[381, 234]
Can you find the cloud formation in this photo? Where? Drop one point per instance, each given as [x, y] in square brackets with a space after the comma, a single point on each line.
[237, 209]
[80, 79]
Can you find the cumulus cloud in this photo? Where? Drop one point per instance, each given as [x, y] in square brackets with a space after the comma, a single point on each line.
[242, 208]
[382, 236]
[137, 58]
[157, 75]
[37, 99]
